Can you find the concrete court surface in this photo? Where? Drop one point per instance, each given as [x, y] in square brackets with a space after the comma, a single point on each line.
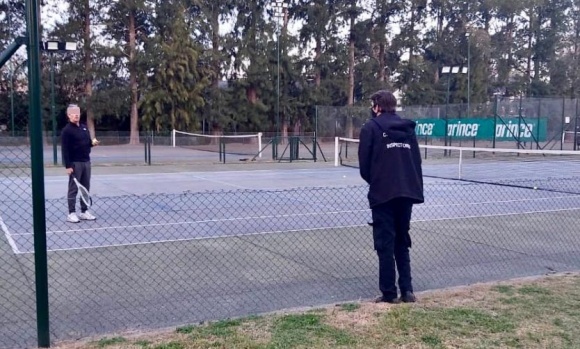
[462, 234]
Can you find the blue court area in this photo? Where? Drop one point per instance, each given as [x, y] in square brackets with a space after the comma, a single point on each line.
[174, 247]
[168, 207]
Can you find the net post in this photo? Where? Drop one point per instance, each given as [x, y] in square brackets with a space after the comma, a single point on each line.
[145, 144]
[314, 145]
[495, 108]
[173, 138]
[519, 139]
[563, 128]
[221, 152]
[538, 128]
[336, 151]
[260, 144]
[149, 148]
[460, 162]
[315, 131]
[575, 146]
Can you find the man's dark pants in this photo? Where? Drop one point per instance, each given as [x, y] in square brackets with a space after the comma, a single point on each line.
[391, 224]
[82, 172]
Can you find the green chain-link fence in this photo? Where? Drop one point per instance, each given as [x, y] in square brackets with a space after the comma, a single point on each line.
[538, 123]
[165, 257]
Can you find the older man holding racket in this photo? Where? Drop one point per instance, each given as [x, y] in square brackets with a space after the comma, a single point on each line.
[76, 148]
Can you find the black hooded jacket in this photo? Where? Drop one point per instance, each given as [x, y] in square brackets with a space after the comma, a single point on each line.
[390, 159]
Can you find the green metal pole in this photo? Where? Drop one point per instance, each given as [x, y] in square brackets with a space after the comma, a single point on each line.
[12, 126]
[11, 49]
[145, 146]
[277, 91]
[495, 106]
[11, 78]
[575, 147]
[520, 124]
[53, 115]
[37, 174]
[447, 110]
[563, 122]
[468, 77]
[538, 128]
[315, 132]
[149, 150]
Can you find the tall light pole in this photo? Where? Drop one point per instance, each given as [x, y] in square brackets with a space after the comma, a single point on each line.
[9, 14]
[450, 70]
[12, 100]
[280, 7]
[52, 47]
[468, 35]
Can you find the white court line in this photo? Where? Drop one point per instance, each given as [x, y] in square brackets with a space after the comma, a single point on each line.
[289, 231]
[56, 178]
[220, 182]
[196, 222]
[11, 241]
[417, 207]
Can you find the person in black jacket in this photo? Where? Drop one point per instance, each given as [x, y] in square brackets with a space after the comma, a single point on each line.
[76, 148]
[390, 162]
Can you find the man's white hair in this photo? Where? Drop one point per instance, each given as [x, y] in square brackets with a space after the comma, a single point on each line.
[72, 108]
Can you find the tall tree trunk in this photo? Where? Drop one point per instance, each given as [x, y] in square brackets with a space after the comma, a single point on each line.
[134, 134]
[536, 58]
[412, 36]
[317, 57]
[215, 44]
[440, 19]
[530, 53]
[382, 64]
[575, 59]
[212, 107]
[350, 92]
[88, 68]
[351, 51]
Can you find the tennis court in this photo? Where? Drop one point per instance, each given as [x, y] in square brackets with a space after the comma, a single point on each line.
[163, 217]
[176, 248]
[150, 208]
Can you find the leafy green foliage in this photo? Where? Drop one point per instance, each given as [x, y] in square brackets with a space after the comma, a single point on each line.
[222, 66]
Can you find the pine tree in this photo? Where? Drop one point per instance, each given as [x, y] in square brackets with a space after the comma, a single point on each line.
[128, 25]
[174, 94]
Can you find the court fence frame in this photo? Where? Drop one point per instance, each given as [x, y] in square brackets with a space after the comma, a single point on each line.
[508, 122]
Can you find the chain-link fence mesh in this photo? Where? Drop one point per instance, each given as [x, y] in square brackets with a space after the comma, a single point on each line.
[167, 257]
[17, 290]
[505, 122]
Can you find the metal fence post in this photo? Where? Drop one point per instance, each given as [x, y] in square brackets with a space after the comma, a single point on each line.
[576, 127]
[37, 174]
[563, 122]
[495, 106]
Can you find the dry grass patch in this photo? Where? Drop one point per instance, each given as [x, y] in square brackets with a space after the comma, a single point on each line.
[541, 312]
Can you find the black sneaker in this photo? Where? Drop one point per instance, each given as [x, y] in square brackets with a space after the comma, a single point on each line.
[408, 297]
[382, 299]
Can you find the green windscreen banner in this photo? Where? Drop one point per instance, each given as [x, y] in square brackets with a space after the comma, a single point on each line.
[505, 129]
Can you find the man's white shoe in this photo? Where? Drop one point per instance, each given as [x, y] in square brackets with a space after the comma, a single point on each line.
[87, 216]
[72, 218]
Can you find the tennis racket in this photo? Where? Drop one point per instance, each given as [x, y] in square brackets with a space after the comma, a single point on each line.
[84, 193]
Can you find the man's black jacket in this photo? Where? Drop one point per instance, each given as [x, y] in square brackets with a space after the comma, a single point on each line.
[390, 159]
[76, 144]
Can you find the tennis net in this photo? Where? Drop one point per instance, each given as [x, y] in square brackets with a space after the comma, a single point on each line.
[242, 147]
[551, 170]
